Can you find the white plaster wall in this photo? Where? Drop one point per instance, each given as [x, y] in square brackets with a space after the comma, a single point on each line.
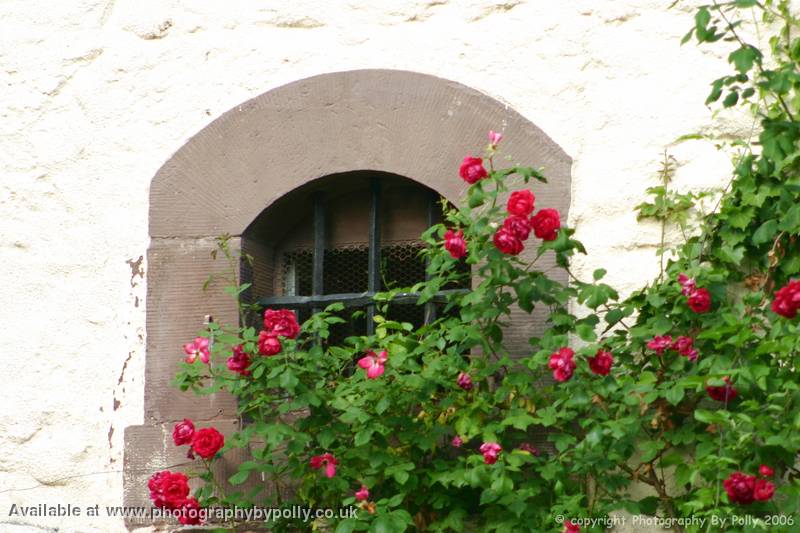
[96, 94]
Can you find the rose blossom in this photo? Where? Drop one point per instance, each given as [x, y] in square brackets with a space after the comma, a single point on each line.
[464, 381]
[207, 442]
[561, 364]
[168, 489]
[530, 448]
[494, 138]
[660, 343]
[521, 203]
[546, 224]
[455, 244]
[787, 300]
[765, 471]
[191, 513]
[197, 348]
[763, 490]
[723, 393]
[326, 460]
[281, 323]
[507, 242]
[239, 361]
[688, 285]
[373, 363]
[519, 226]
[699, 301]
[490, 451]
[601, 362]
[571, 527]
[740, 488]
[268, 344]
[183, 432]
[456, 442]
[472, 170]
[362, 494]
[684, 346]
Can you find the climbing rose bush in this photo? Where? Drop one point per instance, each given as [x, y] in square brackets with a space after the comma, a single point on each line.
[679, 400]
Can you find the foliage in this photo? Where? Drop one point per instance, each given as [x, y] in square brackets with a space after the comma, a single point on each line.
[653, 421]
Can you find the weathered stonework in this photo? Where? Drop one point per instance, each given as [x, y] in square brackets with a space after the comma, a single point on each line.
[97, 94]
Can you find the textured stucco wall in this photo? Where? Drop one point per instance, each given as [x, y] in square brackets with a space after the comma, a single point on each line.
[96, 95]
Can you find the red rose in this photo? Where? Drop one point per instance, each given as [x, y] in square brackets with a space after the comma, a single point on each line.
[507, 242]
[519, 226]
[562, 365]
[268, 344]
[190, 512]
[168, 489]
[763, 490]
[765, 471]
[239, 361]
[520, 203]
[281, 322]
[472, 169]
[207, 442]
[546, 224]
[724, 393]
[455, 244]
[601, 362]
[787, 300]
[464, 381]
[700, 301]
[571, 527]
[660, 343]
[326, 461]
[183, 432]
[740, 488]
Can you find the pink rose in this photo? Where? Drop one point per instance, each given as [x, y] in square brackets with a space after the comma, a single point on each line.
[546, 224]
[239, 361]
[684, 346]
[268, 344]
[507, 242]
[571, 527]
[787, 300]
[183, 432]
[660, 343]
[763, 490]
[490, 451]
[373, 363]
[362, 494]
[455, 244]
[740, 488]
[519, 226]
[326, 461]
[699, 301]
[207, 442]
[688, 285]
[520, 203]
[456, 442]
[494, 138]
[168, 489]
[562, 365]
[601, 362]
[472, 170]
[464, 381]
[197, 348]
[765, 471]
[281, 323]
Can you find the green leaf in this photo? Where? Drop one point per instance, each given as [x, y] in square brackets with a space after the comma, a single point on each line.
[790, 222]
[239, 477]
[765, 232]
[599, 273]
[346, 526]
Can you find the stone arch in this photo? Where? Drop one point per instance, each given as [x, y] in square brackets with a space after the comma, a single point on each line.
[398, 122]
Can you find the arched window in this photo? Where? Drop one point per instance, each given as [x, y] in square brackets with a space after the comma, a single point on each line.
[344, 238]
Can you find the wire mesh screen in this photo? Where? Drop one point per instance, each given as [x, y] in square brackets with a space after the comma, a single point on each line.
[346, 270]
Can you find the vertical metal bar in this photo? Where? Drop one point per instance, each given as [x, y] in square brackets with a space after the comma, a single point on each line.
[374, 263]
[430, 307]
[318, 260]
